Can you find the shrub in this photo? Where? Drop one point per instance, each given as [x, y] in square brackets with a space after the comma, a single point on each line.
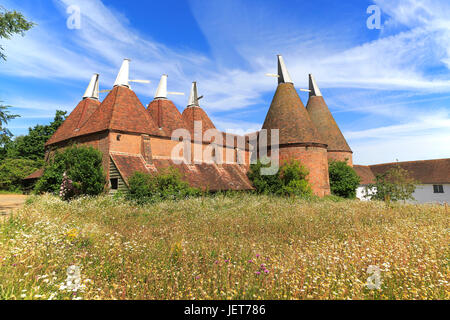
[343, 179]
[168, 185]
[291, 179]
[396, 184]
[83, 166]
[13, 171]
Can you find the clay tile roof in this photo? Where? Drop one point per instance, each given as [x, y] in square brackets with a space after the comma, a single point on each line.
[128, 164]
[365, 173]
[121, 111]
[425, 171]
[326, 125]
[166, 115]
[192, 114]
[35, 175]
[209, 176]
[74, 121]
[288, 114]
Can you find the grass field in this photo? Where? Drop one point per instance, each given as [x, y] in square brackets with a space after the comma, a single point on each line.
[238, 247]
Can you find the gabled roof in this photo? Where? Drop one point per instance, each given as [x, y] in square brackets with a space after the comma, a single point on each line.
[210, 176]
[35, 175]
[74, 121]
[323, 120]
[288, 114]
[166, 115]
[121, 111]
[365, 173]
[203, 176]
[195, 113]
[425, 171]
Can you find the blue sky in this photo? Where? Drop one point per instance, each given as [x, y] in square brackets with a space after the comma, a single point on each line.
[388, 89]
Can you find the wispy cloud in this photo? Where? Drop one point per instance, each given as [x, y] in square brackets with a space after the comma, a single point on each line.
[408, 61]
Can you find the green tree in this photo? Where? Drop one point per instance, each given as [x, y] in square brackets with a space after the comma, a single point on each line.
[5, 134]
[343, 179]
[11, 23]
[32, 145]
[396, 184]
[83, 166]
[167, 185]
[13, 171]
[291, 179]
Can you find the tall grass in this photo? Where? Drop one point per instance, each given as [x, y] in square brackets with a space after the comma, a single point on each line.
[225, 247]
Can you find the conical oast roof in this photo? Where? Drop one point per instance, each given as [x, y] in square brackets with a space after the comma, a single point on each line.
[77, 118]
[80, 114]
[192, 114]
[121, 111]
[166, 115]
[323, 120]
[288, 114]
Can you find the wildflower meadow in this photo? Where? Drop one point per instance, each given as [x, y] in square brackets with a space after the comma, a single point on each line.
[224, 247]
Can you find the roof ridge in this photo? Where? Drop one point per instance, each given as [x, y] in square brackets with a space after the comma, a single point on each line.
[410, 161]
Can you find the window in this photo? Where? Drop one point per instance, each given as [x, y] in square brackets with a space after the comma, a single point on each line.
[114, 183]
[438, 188]
[118, 137]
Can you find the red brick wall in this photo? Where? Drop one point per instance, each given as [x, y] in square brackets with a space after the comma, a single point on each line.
[316, 160]
[341, 156]
[125, 142]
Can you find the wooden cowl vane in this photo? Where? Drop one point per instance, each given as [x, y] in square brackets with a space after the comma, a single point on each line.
[163, 111]
[194, 112]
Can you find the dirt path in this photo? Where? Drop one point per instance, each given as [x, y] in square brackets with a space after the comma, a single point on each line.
[9, 202]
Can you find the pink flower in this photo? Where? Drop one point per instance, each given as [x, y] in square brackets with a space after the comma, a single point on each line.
[258, 273]
[257, 255]
[250, 261]
[266, 271]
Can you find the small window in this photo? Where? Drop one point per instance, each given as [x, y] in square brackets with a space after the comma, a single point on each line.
[438, 188]
[118, 137]
[114, 184]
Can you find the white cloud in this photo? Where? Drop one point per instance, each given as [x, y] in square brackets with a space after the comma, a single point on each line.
[396, 61]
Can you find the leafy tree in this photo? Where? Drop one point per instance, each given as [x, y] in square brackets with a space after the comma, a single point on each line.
[396, 184]
[264, 184]
[168, 185]
[291, 179]
[32, 145]
[343, 179]
[13, 171]
[5, 116]
[83, 166]
[11, 23]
